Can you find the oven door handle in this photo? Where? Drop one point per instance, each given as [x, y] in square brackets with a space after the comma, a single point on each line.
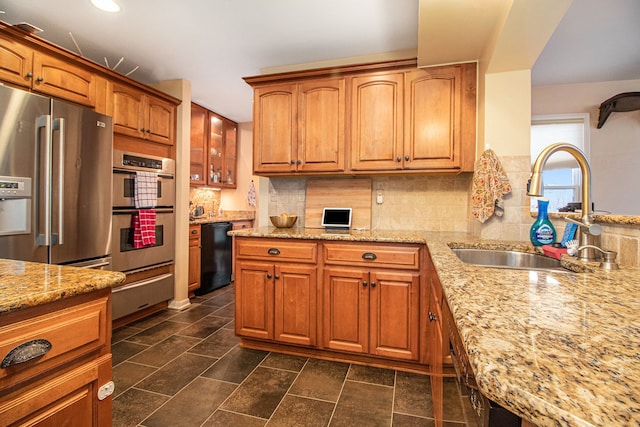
[132, 173]
[129, 211]
[141, 283]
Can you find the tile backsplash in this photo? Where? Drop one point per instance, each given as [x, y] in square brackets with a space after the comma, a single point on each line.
[442, 203]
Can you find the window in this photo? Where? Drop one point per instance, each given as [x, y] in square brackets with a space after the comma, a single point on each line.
[561, 175]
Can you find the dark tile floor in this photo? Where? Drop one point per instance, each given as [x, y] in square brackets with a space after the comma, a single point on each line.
[186, 369]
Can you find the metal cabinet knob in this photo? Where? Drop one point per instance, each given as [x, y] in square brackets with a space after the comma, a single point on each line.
[269, 276]
[364, 284]
[40, 79]
[406, 158]
[432, 317]
[29, 74]
[373, 284]
[399, 159]
[277, 276]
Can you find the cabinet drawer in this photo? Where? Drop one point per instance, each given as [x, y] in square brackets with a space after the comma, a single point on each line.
[276, 250]
[71, 333]
[391, 256]
[194, 232]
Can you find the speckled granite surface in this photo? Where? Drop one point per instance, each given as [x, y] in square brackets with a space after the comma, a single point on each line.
[229, 216]
[29, 284]
[559, 349]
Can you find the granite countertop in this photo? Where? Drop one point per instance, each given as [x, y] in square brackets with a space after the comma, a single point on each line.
[557, 348]
[29, 284]
[230, 216]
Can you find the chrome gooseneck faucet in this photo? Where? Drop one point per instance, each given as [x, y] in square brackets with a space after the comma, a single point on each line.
[587, 227]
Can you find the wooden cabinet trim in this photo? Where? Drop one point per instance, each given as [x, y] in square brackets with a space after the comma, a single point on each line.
[330, 71]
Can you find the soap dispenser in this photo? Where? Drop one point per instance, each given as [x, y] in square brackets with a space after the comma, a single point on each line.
[542, 230]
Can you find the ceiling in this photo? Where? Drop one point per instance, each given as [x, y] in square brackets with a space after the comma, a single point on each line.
[214, 43]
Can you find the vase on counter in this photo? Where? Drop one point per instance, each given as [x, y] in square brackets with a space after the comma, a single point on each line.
[542, 230]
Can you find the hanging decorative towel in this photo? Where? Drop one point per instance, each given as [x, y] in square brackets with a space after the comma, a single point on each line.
[146, 190]
[144, 228]
[490, 184]
[251, 195]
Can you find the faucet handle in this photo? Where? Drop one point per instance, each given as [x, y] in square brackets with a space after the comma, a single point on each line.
[593, 229]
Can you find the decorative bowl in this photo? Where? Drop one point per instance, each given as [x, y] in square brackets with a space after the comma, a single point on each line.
[283, 220]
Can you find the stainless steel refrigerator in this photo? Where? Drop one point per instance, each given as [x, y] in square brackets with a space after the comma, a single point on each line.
[55, 181]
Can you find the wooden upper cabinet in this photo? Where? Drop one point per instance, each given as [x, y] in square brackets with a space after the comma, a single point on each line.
[275, 128]
[432, 138]
[383, 118]
[214, 149]
[198, 145]
[143, 116]
[300, 127]
[16, 62]
[321, 126]
[61, 79]
[376, 122]
[35, 70]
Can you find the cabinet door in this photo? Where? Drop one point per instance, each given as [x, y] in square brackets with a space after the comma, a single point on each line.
[321, 125]
[59, 78]
[345, 296]
[230, 153]
[198, 161]
[215, 157]
[128, 111]
[254, 299]
[394, 314]
[194, 258]
[69, 399]
[295, 304]
[274, 127]
[160, 124]
[432, 117]
[16, 62]
[376, 122]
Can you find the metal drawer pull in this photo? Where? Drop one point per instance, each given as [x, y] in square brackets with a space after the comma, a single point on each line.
[25, 352]
[273, 251]
[369, 255]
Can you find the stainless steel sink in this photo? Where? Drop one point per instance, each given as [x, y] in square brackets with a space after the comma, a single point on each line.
[507, 259]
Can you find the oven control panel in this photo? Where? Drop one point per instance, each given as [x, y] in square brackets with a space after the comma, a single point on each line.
[141, 162]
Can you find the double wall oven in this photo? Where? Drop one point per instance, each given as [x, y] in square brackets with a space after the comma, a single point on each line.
[137, 295]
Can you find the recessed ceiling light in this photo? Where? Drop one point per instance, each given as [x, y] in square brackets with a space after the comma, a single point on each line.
[106, 5]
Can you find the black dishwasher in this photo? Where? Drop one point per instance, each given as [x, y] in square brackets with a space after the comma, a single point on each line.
[215, 256]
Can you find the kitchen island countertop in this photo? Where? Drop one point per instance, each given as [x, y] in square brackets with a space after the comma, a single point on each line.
[30, 284]
[557, 348]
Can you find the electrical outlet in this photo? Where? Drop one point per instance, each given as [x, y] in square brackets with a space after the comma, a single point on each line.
[379, 199]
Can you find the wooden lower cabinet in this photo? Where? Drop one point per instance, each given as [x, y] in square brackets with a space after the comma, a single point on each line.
[276, 302]
[353, 302]
[61, 387]
[194, 259]
[374, 312]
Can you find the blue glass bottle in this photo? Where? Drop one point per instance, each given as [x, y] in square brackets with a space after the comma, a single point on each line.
[542, 230]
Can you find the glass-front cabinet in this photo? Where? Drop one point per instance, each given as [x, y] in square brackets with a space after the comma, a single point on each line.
[214, 148]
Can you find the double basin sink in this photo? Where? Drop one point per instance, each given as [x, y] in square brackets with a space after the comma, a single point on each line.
[508, 259]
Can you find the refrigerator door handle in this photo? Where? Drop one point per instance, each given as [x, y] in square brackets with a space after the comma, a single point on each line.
[58, 125]
[44, 122]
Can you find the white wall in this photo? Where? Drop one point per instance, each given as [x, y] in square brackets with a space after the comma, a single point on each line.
[615, 148]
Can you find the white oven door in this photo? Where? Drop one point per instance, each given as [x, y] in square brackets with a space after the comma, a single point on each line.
[126, 257]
